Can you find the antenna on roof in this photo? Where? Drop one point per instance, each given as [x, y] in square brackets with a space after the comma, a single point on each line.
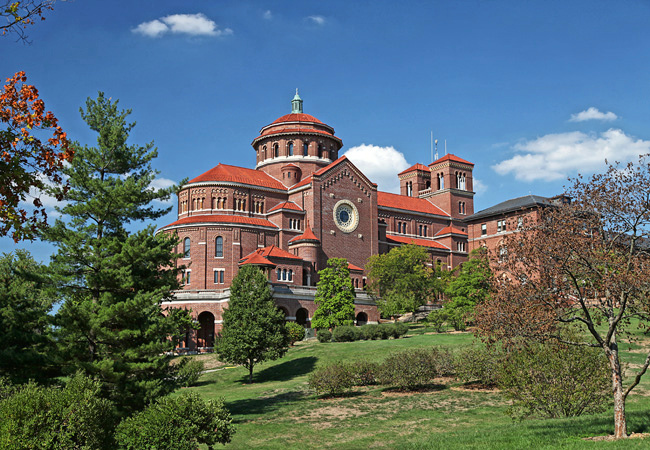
[436, 141]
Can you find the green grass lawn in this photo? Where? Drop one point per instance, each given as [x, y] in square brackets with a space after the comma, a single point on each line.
[279, 411]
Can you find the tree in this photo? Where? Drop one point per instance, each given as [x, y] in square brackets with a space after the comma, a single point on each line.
[253, 326]
[401, 280]
[24, 322]
[586, 266]
[469, 284]
[19, 14]
[334, 296]
[27, 163]
[113, 281]
[177, 423]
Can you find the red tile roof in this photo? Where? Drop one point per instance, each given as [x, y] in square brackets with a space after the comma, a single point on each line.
[355, 268]
[297, 117]
[416, 241]
[257, 259]
[286, 205]
[304, 182]
[221, 218]
[276, 130]
[236, 174]
[307, 180]
[308, 235]
[450, 229]
[450, 157]
[416, 204]
[417, 166]
[272, 252]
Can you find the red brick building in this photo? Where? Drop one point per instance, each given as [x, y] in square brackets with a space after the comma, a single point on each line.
[301, 205]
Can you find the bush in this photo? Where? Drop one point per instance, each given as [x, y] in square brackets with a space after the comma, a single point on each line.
[411, 369]
[74, 416]
[400, 329]
[364, 373]
[552, 380]
[323, 336]
[437, 320]
[386, 330]
[346, 333]
[189, 370]
[177, 423]
[479, 364]
[371, 332]
[295, 331]
[331, 380]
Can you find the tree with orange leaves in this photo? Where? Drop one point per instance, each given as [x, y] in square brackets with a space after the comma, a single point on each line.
[28, 161]
[584, 266]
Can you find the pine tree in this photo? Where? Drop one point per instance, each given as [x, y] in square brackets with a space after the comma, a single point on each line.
[253, 326]
[334, 296]
[113, 280]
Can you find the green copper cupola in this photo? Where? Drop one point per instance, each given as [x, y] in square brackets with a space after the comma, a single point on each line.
[296, 104]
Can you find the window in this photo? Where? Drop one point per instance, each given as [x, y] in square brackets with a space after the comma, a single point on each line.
[320, 151]
[483, 229]
[187, 277]
[290, 147]
[420, 230]
[218, 247]
[501, 226]
[460, 246]
[186, 248]
[425, 231]
[520, 223]
[290, 275]
[279, 274]
[219, 275]
[503, 254]
[305, 149]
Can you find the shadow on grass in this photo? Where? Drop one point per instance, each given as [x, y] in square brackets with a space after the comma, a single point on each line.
[416, 389]
[263, 405]
[284, 371]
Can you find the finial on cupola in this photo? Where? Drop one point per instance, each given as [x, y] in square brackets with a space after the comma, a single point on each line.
[296, 104]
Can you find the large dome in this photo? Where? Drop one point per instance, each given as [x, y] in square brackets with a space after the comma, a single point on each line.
[296, 117]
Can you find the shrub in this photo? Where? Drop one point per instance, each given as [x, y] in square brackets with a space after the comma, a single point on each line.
[386, 330]
[443, 361]
[189, 370]
[295, 331]
[331, 380]
[364, 373]
[400, 329]
[177, 423]
[479, 364]
[323, 335]
[552, 380]
[74, 416]
[345, 333]
[437, 320]
[409, 369]
[371, 332]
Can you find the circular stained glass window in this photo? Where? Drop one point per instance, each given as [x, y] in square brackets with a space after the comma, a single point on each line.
[346, 216]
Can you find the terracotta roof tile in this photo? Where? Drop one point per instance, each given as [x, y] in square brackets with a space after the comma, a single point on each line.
[235, 174]
[450, 229]
[417, 166]
[415, 204]
[355, 268]
[308, 235]
[450, 157]
[256, 259]
[297, 117]
[274, 252]
[416, 241]
[276, 130]
[221, 218]
[304, 182]
[286, 205]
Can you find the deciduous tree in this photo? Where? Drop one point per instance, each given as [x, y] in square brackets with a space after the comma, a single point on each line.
[253, 326]
[17, 15]
[584, 265]
[334, 296]
[113, 281]
[28, 161]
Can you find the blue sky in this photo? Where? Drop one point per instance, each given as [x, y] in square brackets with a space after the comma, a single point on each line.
[531, 92]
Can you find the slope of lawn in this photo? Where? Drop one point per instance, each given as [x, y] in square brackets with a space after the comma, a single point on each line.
[279, 411]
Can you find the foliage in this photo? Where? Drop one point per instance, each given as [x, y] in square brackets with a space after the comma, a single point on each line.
[113, 281]
[479, 364]
[364, 373]
[395, 330]
[437, 319]
[346, 333]
[28, 163]
[24, 321]
[74, 416]
[17, 15]
[334, 296]
[401, 280]
[253, 327]
[323, 335]
[177, 423]
[415, 368]
[554, 380]
[188, 371]
[372, 331]
[295, 331]
[578, 264]
[331, 380]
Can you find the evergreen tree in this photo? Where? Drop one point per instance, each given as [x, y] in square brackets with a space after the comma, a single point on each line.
[24, 321]
[112, 280]
[334, 296]
[253, 326]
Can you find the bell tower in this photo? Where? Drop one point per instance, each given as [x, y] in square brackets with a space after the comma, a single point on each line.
[452, 186]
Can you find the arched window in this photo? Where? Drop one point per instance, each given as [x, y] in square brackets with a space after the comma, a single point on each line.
[305, 149]
[320, 151]
[275, 150]
[290, 275]
[279, 274]
[290, 148]
[186, 248]
[264, 152]
[284, 274]
[218, 247]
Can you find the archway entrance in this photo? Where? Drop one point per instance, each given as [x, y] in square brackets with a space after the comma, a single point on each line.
[301, 317]
[205, 333]
[362, 319]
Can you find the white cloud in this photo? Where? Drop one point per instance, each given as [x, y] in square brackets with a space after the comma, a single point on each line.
[479, 187]
[190, 24]
[318, 20]
[163, 183]
[380, 164]
[593, 114]
[556, 156]
[268, 15]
